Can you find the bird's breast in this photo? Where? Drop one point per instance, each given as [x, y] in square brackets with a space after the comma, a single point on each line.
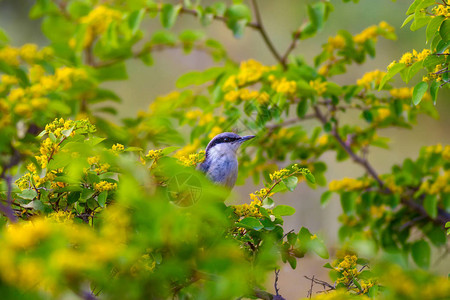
[221, 168]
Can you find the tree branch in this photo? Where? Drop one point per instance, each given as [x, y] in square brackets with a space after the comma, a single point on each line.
[262, 30]
[442, 216]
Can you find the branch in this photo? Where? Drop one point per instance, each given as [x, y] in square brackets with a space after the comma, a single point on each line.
[292, 46]
[194, 13]
[262, 30]
[442, 216]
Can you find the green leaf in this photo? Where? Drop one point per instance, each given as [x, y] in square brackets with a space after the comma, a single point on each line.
[283, 210]
[102, 198]
[117, 71]
[418, 92]
[368, 116]
[4, 39]
[348, 202]
[250, 223]
[407, 20]
[421, 254]
[135, 19]
[316, 13]
[325, 198]
[169, 14]
[28, 194]
[302, 108]
[291, 182]
[444, 30]
[437, 236]
[430, 205]
[391, 72]
[199, 77]
[238, 15]
[433, 27]
[310, 178]
[434, 89]
[413, 71]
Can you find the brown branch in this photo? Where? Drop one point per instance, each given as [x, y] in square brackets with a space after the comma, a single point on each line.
[194, 13]
[265, 36]
[292, 46]
[442, 216]
[291, 121]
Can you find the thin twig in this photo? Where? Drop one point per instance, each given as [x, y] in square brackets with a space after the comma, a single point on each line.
[262, 30]
[292, 46]
[275, 285]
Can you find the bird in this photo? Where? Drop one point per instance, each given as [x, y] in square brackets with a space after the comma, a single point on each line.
[220, 164]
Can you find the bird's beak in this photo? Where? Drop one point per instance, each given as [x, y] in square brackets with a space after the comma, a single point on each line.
[246, 138]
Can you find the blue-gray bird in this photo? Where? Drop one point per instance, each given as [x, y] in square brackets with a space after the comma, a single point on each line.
[220, 163]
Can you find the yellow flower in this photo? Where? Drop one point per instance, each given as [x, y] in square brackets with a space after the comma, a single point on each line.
[98, 20]
[9, 80]
[323, 140]
[23, 109]
[105, 186]
[118, 147]
[382, 114]
[348, 184]
[319, 86]
[154, 154]
[28, 52]
[385, 26]
[337, 42]
[214, 131]
[36, 72]
[401, 93]
[374, 77]
[10, 56]
[407, 58]
[368, 33]
[16, 94]
[93, 160]
[263, 98]
[284, 86]
[39, 103]
[424, 54]
[391, 65]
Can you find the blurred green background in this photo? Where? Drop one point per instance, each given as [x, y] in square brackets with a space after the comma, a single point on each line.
[281, 18]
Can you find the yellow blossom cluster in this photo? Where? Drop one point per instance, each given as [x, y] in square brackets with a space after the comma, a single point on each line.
[284, 86]
[188, 149]
[409, 58]
[437, 72]
[371, 79]
[372, 32]
[246, 94]
[439, 149]
[192, 159]
[154, 154]
[377, 212]
[98, 168]
[319, 86]
[348, 184]
[28, 53]
[98, 20]
[401, 93]
[405, 285]
[252, 209]
[201, 117]
[105, 186]
[215, 131]
[441, 10]
[117, 148]
[250, 71]
[283, 133]
[382, 114]
[67, 249]
[23, 101]
[65, 217]
[347, 268]
[337, 42]
[440, 185]
[323, 140]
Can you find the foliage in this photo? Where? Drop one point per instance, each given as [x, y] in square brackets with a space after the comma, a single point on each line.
[120, 209]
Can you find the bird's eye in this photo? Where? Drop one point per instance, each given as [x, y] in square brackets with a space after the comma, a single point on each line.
[225, 139]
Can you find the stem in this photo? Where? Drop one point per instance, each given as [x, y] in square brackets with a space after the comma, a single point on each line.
[262, 31]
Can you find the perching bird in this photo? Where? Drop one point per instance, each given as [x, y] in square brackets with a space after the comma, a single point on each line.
[220, 163]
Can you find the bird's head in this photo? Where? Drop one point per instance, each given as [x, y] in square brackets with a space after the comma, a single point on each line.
[227, 142]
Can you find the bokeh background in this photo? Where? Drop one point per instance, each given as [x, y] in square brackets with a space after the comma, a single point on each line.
[281, 18]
